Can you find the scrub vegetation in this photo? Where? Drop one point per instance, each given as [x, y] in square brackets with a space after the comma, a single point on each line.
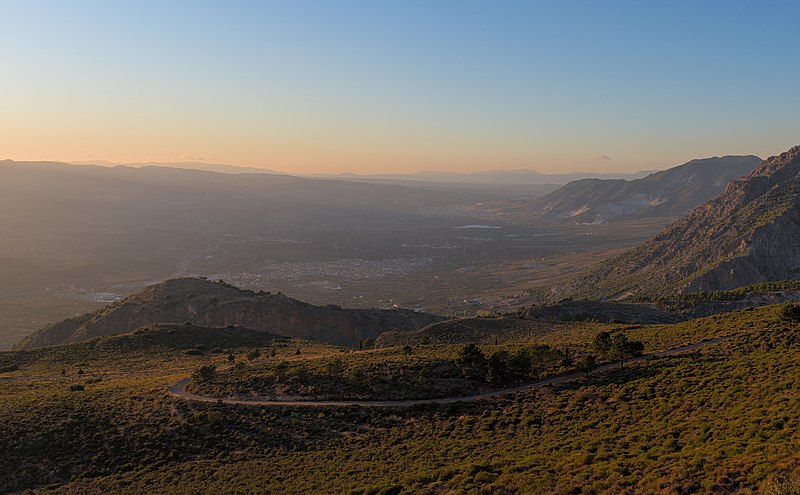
[719, 419]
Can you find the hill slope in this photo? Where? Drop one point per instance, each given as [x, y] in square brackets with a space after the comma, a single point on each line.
[668, 193]
[748, 234]
[206, 303]
[722, 419]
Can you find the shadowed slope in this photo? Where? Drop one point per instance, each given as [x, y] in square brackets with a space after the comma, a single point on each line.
[206, 303]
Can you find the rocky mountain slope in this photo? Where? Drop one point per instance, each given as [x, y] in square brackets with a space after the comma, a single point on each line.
[748, 234]
[669, 193]
[213, 304]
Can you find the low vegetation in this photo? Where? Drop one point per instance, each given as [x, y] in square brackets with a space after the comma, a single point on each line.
[722, 419]
[726, 295]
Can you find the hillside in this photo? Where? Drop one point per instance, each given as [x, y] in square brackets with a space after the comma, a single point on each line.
[669, 193]
[720, 419]
[497, 331]
[214, 304]
[179, 345]
[747, 235]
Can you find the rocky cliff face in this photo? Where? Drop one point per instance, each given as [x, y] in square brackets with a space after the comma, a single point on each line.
[212, 304]
[748, 234]
[669, 193]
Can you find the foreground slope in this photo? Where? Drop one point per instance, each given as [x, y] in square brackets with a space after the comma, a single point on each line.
[749, 234]
[668, 193]
[207, 303]
[719, 420]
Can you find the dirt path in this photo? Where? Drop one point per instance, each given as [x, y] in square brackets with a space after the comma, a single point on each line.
[179, 388]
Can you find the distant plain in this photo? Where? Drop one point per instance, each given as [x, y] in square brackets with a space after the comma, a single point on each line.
[82, 236]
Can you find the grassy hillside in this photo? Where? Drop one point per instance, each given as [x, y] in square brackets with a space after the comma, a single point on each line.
[720, 420]
[152, 347]
[426, 364]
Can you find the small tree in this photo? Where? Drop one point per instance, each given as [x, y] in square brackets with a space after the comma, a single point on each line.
[520, 364]
[791, 312]
[231, 358]
[616, 347]
[205, 374]
[253, 355]
[472, 362]
[602, 344]
[586, 364]
[497, 367]
[542, 356]
[407, 350]
[566, 358]
[622, 348]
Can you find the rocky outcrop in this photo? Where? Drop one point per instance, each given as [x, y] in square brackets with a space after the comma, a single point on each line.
[214, 304]
[748, 234]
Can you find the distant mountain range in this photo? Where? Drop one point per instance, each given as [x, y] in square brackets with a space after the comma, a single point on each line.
[485, 178]
[214, 304]
[207, 167]
[748, 234]
[669, 193]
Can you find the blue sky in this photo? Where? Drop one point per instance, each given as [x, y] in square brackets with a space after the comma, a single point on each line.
[398, 86]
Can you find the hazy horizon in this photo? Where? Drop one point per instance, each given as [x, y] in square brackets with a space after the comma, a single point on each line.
[214, 166]
[315, 87]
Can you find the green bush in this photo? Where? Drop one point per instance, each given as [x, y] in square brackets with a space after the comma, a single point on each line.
[791, 312]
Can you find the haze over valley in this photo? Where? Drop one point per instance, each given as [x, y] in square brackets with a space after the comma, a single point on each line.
[399, 248]
[83, 236]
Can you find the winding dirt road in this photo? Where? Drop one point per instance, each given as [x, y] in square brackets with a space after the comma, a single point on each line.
[179, 388]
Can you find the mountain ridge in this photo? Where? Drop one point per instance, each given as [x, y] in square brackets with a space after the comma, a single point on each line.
[217, 304]
[668, 193]
[748, 234]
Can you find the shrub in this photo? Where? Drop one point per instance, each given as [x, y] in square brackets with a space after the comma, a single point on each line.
[472, 362]
[791, 312]
[602, 343]
[498, 367]
[205, 374]
[586, 364]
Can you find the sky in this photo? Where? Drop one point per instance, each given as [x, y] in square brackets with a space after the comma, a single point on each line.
[399, 86]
